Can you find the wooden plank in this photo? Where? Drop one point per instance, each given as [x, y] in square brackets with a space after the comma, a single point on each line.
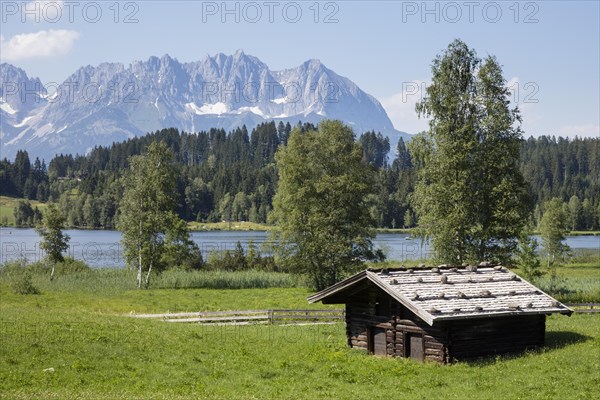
[588, 305]
[433, 352]
[359, 343]
[249, 316]
[434, 345]
[309, 310]
[199, 314]
[221, 319]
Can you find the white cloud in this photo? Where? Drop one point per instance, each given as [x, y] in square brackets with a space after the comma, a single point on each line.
[583, 130]
[400, 107]
[39, 44]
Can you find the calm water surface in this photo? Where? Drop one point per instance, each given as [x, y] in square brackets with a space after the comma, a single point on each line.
[103, 248]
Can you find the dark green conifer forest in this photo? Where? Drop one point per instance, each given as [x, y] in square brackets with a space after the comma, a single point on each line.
[232, 176]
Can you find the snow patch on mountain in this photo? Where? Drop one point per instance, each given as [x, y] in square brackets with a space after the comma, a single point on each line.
[113, 102]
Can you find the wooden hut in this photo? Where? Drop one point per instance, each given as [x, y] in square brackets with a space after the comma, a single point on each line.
[442, 313]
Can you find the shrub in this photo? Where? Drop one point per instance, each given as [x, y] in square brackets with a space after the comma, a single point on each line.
[67, 266]
[71, 266]
[24, 285]
[527, 258]
[240, 260]
[13, 268]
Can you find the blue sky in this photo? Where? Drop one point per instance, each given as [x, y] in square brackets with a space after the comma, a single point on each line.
[549, 49]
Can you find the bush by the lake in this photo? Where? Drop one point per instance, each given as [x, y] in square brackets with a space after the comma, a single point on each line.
[24, 285]
[67, 266]
[241, 260]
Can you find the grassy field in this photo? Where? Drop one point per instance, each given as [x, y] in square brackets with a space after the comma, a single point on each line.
[578, 281]
[75, 340]
[61, 345]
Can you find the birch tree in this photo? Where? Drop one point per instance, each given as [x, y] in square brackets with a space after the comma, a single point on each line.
[54, 240]
[146, 211]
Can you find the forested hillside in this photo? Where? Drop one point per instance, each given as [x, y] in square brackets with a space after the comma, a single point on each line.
[566, 169]
[232, 176]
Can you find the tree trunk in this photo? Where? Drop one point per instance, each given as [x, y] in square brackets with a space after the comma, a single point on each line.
[139, 274]
[148, 274]
[52, 271]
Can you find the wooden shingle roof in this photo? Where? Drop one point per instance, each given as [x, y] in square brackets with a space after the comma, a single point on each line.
[448, 293]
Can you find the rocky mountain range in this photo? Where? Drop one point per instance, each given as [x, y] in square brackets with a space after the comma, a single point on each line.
[113, 102]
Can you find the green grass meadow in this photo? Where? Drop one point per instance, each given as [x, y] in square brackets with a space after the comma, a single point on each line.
[76, 340]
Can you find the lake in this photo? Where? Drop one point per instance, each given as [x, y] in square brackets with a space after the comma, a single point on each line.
[103, 248]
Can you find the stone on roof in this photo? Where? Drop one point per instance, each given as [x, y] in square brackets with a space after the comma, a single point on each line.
[447, 293]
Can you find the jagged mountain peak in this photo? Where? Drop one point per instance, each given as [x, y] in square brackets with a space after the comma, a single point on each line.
[19, 95]
[314, 63]
[223, 91]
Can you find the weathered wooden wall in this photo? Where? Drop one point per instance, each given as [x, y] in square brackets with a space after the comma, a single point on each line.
[370, 310]
[434, 338]
[362, 314]
[477, 337]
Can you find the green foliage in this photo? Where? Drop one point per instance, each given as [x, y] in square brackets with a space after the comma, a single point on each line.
[67, 266]
[213, 164]
[321, 203]
[553, 229]
[527, 258]
[179, 251]
[26, 278]
[563, 168]
[24, 285]
[54, 241]
[375, 149]
[25, 215]
[153, 235]
[239, 260]
[575, 213]
[470, 197]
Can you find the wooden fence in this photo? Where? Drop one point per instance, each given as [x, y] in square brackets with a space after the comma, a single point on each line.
[252, 317]
[585, 307]
[245, 317]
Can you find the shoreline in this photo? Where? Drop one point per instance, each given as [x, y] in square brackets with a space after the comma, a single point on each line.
[245, 226]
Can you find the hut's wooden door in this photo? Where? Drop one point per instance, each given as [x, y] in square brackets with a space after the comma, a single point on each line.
[416, 347]
[377, 341]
